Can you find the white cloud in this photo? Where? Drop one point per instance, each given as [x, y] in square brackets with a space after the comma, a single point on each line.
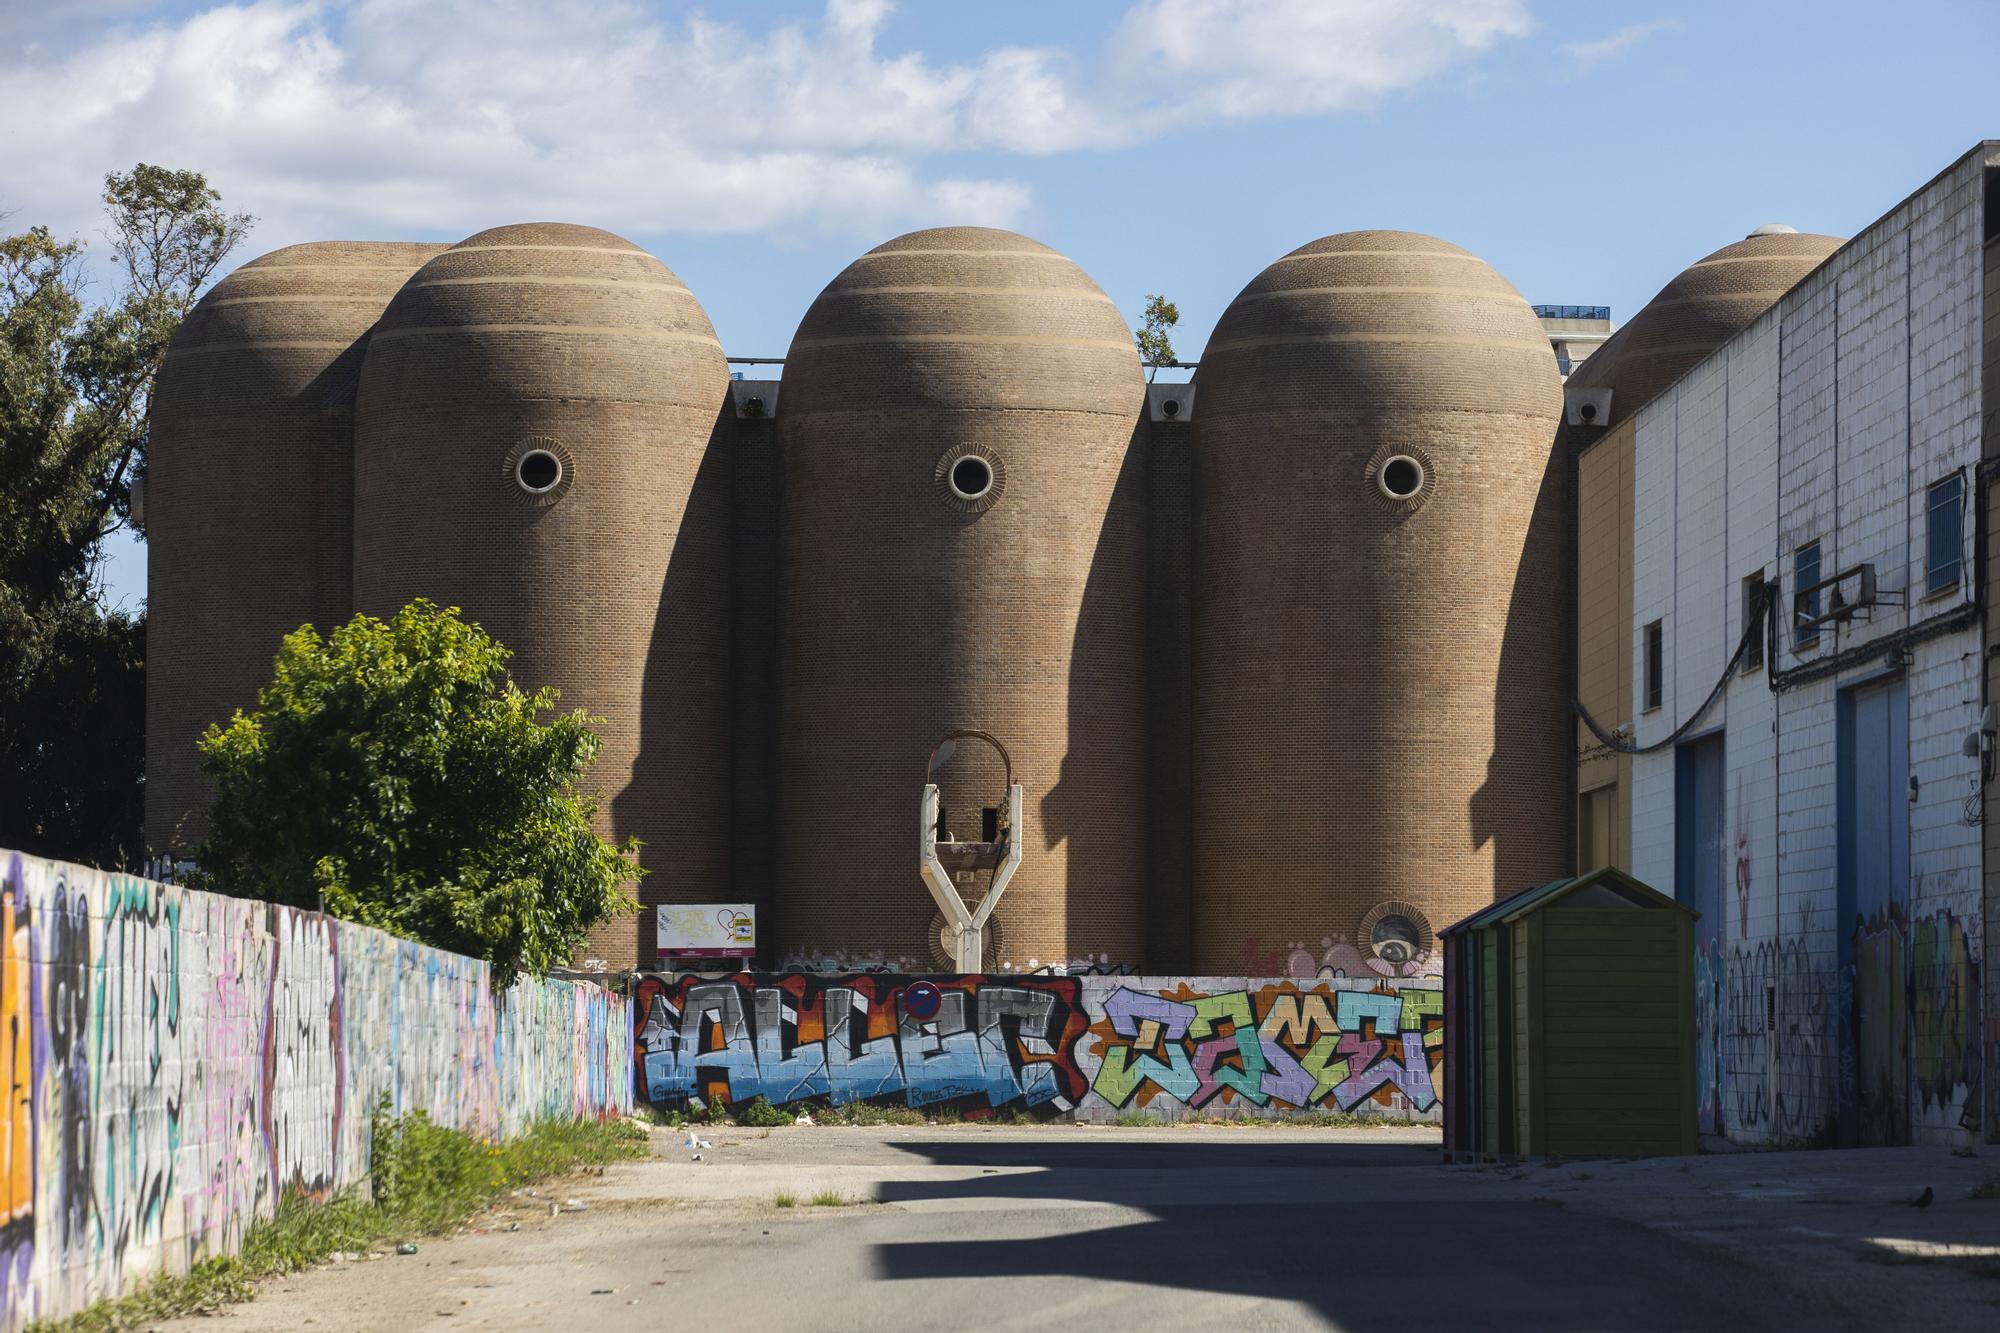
[385, 117]
[1602, 51]
[1239, 59]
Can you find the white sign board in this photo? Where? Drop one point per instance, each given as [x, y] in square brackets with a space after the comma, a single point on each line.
[707, 930]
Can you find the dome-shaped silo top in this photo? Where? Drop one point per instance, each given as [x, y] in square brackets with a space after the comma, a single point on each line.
[1369, 322]
[546, 310]
[962, 317]
[1707, 304]
[274, 328]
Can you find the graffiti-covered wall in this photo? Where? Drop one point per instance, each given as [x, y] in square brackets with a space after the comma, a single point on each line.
[1826, 819]
[176, 1062]
[1095, 1047]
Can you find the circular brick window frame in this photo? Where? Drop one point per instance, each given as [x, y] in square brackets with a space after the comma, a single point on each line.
[518, 486]
[1391, 462]
[954, 497]
[1426, 941]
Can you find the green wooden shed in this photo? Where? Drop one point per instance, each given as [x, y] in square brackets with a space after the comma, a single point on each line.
[1569, 1023]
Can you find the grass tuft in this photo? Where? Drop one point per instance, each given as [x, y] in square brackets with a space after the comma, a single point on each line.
[426, 1180]
[760, 1114]
[785, 1199]
[828, 1199]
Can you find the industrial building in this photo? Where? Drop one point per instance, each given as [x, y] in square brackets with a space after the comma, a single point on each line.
[1271, 653]
[1783, 643]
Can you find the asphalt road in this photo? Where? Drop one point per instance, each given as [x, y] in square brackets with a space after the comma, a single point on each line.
[1070, 1227]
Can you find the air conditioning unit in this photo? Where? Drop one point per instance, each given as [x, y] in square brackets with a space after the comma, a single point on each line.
[1849, 591]
[1170, 402]
[1586, 407]
[754, 399]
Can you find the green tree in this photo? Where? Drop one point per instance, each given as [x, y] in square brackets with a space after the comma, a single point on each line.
[393, 772]
[76, 381]
[1156, 346]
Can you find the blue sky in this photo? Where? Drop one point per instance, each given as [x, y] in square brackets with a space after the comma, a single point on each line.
[1588, 151]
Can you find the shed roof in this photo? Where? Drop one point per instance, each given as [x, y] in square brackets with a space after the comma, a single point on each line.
[1532, 899]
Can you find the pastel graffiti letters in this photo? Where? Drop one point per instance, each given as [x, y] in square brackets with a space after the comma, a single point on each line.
[1271, 1046]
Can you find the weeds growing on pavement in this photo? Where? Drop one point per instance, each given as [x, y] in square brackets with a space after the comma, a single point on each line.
[760, 1114]
[782, 1199]
[827, 1199]
[426, 1179]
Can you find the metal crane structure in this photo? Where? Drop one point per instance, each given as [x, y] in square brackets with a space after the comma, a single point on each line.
[947, 862]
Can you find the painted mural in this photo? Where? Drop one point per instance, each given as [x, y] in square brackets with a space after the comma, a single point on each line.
[1094, 1046]
[1223, 1046]
[175, 1063]
[985, 1044]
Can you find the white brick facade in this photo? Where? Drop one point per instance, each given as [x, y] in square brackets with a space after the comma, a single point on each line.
[1828, 420]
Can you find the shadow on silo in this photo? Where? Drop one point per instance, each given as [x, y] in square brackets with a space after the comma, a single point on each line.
[1527, 806]
[677, 799]
[1095, 813]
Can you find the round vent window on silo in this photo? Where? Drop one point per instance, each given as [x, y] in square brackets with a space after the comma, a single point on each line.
[970, 479]
[539, 470]
[1400, 479]
[1396, 937]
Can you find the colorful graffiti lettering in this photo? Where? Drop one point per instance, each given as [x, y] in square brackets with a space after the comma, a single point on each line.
[994, 1042]
[175, 1063]
[1267, 1046]
[1944, 1016]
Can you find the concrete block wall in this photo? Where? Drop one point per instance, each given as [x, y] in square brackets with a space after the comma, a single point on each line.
[177, 1062]
[1092, 1047]
[1748, 1050]
[1828, 419]
[1655, 589]
[1990, 447]
[1707, 453]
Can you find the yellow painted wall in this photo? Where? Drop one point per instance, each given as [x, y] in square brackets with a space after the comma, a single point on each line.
[1604, 644]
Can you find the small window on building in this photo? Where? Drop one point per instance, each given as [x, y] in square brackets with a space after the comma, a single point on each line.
[1754, 597]
[1805, 574]
[1947, 534]
[1655, 665]
[1596, 829]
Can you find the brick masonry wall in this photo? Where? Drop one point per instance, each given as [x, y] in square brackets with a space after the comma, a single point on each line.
[908, 613]
[754, 616]
[1381, 686]
[614, 588]
[250, 490]
[1170, 694]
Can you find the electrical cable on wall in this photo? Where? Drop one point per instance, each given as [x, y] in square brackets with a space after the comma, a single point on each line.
[1611, 739]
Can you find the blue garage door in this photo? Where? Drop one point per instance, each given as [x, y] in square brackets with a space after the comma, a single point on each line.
[1698, 846]
[1874, 901]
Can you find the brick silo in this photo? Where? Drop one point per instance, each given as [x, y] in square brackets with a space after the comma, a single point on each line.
[249, 512]
[1707, 303]
[963, 548]
[1380, 663]
[533, 444]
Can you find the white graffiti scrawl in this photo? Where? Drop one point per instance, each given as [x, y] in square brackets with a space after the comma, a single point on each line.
[178, 1062]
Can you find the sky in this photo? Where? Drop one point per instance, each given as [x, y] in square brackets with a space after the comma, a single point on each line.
[1587, 150]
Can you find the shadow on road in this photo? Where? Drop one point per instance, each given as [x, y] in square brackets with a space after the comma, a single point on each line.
[1352, 1251]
